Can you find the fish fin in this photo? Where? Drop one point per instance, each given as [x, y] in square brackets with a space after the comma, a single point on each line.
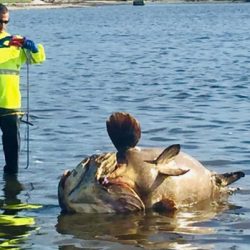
[123, 198]
[124, 130]
[171, 171]
[164, 205]
[228, 178]
[162, 176]
[167, 155]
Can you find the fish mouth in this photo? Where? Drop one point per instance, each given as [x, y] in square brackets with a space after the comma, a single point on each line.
[61, 190]
[71, 180]
[64, 177]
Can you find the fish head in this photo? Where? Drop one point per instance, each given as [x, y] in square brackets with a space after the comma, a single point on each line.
[76, 187]
[86, 189]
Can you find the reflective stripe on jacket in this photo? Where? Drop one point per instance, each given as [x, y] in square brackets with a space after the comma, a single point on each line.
[11, 60]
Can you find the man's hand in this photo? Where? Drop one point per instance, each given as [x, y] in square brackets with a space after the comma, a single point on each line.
[16, 41]
[30, 45]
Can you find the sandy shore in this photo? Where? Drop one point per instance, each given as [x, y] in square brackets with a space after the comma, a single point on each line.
[38, 4]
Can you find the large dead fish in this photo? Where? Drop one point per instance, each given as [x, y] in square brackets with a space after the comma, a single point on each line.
[136, 179]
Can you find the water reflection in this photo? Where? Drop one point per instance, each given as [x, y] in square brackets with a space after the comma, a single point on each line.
[13, 227]
[12, 189]
[150, 231]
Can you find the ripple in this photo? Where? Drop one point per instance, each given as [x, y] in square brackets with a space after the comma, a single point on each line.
[186, 83]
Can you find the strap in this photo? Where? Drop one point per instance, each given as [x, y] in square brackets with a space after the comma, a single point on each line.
[3, 40]
[13, 113]
[9, 72]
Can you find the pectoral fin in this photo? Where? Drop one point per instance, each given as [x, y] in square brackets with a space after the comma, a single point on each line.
[165, 205]
[164, 173]
[167, 155]
[163, 162]
[165, 170]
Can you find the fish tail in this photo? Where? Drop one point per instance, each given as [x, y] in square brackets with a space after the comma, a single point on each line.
[124, 130]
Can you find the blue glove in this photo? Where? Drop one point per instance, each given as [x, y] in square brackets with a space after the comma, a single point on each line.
[30, 45]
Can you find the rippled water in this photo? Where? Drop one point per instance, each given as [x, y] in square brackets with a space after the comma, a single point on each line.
[181, 69]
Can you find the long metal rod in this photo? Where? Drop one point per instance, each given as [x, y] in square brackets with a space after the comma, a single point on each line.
[27, 110]
[28, 115]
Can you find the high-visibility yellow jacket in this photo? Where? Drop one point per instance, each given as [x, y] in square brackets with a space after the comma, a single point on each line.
[11, 60]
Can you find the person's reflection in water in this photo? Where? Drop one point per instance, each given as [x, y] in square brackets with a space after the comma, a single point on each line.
[14, 228]
[12, 189]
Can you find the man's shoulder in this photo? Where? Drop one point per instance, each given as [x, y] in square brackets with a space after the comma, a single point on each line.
[4, 34]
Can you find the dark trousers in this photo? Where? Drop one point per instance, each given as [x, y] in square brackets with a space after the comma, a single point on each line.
[9, 124]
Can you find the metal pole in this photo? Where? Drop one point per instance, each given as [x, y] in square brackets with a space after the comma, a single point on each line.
[27, 108]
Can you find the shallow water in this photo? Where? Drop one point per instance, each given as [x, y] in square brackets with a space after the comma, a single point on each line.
[181, 69]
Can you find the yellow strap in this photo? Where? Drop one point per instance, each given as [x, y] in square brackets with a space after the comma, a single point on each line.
[13, 113]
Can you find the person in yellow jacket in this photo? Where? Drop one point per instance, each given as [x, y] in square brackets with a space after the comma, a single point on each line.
[14, 52]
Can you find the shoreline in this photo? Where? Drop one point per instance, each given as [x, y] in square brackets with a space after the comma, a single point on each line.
[39, 4]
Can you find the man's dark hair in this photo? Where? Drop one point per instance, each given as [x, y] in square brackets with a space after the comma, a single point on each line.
[3, 9]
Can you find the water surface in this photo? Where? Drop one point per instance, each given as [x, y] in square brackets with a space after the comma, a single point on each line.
[181, 69]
